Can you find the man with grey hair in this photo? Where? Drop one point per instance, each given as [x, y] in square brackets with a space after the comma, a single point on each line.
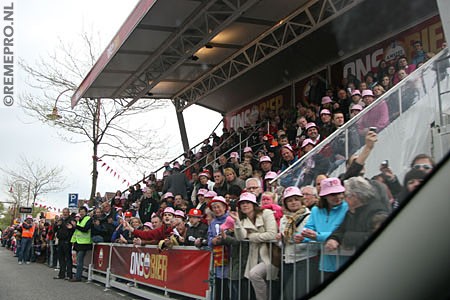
[253, 185]
[364, 216]
[310, 196]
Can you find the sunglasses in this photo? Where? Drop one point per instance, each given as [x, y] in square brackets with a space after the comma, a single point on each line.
[422, 166]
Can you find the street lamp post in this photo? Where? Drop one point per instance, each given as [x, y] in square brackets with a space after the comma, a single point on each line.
[28, 195]
[54, 115]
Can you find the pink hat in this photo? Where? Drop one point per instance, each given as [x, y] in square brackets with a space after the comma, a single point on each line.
[307, 142]
[310, 125]
[76, 216]
[325, 112]
[264, 159]
[326, 100]
[246, 196]
[179, 213]
[292, 191]
[204, 174]
[169, 210]
[176, 165]
[218, 199]
[210, 194]
[289, 147]
[356, 92]
[228, 224]
[270, 175]
[356, 107]
[148, 224]
[331, 186]
[168, 195]
[248, 149]
[234, 155]
[367, 93]
[29, 217]
[202, 192]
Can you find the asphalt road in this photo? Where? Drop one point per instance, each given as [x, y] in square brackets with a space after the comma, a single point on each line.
[35, 281]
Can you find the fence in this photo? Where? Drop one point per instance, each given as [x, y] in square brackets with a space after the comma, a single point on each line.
[189, 272]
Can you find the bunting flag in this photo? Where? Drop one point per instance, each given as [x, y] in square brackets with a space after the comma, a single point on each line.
[111, 170]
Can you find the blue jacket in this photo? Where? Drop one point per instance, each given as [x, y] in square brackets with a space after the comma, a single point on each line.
[221, 271]
[324, 222]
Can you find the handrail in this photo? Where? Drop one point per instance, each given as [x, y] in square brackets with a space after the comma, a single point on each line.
[395, 89]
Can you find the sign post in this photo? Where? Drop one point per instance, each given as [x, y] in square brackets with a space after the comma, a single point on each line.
[73, 202]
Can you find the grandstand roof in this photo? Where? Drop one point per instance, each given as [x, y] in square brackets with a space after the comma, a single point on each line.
[224, 54]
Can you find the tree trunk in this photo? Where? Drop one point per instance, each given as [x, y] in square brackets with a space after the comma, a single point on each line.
[95, 132]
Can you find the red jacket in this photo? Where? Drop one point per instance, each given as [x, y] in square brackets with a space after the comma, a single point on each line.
[156, 234]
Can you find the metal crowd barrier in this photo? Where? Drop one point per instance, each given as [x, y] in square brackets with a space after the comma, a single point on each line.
[189, 272]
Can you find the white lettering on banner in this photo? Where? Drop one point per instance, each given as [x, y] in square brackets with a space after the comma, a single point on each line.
[149, 266]
[359, 68]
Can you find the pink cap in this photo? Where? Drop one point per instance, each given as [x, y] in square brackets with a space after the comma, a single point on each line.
[270, 175]
[210, 194]
[204, 174]
[248, 149]
[176, 165]
[326, 100]
[219, 199]
[325, 112]
[307, 142]
[168, 195]
[264, 159]
[292, 191]
[169, 210]
[367, 93]
[310, 125]
[234, 155]
[202, 192]
[356, 107]
[356, 92]
[331, 186]
[179, 213]
[148, 224]
[228, 224]
[246, 196]
[29, 217]
[289, 147]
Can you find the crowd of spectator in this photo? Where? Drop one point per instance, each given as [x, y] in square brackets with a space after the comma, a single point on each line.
[217, 204]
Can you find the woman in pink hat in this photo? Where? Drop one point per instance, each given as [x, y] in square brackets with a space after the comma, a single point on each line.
[325, 218]
[296, 253]
[219, 207]
[260, 227]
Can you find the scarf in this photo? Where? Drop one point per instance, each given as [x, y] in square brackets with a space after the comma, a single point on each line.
[291, 223]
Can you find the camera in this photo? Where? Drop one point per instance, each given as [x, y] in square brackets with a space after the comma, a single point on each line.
[374, 129]
[385, 163]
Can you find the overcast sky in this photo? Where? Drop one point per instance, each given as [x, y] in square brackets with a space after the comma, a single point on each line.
[37, 27]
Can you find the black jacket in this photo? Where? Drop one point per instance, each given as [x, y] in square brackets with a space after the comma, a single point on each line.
[63, 233]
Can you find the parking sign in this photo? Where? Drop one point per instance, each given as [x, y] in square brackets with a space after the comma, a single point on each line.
[73, 201]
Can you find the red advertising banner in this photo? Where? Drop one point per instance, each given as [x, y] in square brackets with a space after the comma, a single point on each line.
[171, 269]
[101, 257]
[429, 32]
[250, 114]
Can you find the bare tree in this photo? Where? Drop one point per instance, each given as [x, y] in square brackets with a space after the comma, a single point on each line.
[30, 180]
[110, 126]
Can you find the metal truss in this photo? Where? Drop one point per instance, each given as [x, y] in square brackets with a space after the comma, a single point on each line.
[211, 17]
[298, 25]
